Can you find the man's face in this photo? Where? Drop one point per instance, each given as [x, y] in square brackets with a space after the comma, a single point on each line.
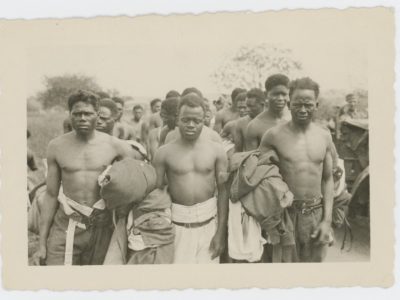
[83, 118]
[120, 109]
[190, 122]
[241, 108]
[254, 107]
[303, 104]
[219, 105]
[352, 102]
[277, 97]
[156, 107]
[105, 121]
[168, 118]
[207, 118]
[138, 113]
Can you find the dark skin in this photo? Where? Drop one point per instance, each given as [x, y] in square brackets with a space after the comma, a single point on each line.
[229, 130]
[193, 167]
[75, 160]
[305, 159]
[225, 115]
[277, 99]
[254, 107]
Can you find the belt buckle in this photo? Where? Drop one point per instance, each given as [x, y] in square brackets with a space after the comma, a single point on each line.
[187, 225]
[306, 210]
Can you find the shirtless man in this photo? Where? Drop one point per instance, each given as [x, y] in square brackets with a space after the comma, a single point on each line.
[228, 114]
[194, 167]
[206, 132]
[168, 113]
[305, 162]
[122, 130]
[75, 227]
[229, 130]
[153, 121]
[255, 100]
[277, 88]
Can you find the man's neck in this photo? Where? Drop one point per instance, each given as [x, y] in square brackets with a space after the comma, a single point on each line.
[275, 114]
[85, 137]
[300, 127]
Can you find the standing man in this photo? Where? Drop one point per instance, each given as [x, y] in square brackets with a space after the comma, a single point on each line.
[347, 112]
[153, 121]
[228, 114]
[121, 128]
[305, 162]
[255, 100]
[277, 89]
[75, 227]
[193, 167]
[136, 122]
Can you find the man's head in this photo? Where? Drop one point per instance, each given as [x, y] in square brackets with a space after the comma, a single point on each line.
[303, 94]
[83, 107]
[172, 94]
[120, 107]
[208, 114]
[277, 90]
[219, 103]
[108, 112]
[192, 90]
[241, 106]
[169, 111]
[155, 105]
[255, 100]
[234, 95]
[191, 116]
[137, 112]
[351, 101]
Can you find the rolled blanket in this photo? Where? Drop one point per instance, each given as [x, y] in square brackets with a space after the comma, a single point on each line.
[127, 181]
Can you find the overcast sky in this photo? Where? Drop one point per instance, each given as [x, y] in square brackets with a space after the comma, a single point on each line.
[150, 58]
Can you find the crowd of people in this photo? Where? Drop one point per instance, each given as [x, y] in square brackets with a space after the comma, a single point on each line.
[254, 183]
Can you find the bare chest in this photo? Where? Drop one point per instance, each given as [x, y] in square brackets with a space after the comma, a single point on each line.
[87, 158]
[297, 149]
[198, 161]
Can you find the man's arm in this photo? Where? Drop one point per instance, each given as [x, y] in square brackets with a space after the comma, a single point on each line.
[251, 138]
[238, 137]
[221, 168]
[327, 183]
[323, 231]
[50, 203]
[218, 122]
[159, 164]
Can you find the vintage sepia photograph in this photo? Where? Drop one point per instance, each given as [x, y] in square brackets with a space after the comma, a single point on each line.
[253, 153]
[218, 140]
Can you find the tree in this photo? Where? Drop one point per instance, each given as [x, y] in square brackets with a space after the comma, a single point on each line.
[58, 89]
[250, 66]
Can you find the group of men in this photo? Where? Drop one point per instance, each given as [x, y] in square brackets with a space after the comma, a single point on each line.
[190, 159]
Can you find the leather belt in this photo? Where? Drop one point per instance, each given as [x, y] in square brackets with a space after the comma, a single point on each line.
[305, 207]
[193, 225]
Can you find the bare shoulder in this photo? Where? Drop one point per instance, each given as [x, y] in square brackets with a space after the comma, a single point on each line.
[61, 140]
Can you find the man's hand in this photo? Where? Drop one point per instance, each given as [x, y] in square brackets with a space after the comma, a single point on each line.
[217, 245]
[323, 233]
[39, 257]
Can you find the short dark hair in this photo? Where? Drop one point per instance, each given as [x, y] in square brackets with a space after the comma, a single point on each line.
[83, 96]
[170, 105]
[110, 104]
[241, 97]
[350, 96]
[137, 106]
[172, 93]
[192, 100]
[257, 94]
[276, 79]
[118, 100]
[304, 83]
[154, 101]
[236, 92]
[192, 90]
